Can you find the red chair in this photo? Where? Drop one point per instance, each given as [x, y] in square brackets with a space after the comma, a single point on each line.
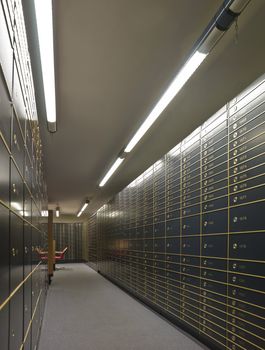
[59, 255]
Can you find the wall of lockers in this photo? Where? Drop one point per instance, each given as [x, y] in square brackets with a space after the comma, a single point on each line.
[69, 235]
[188, 235]
[23, 193]
[92, 242]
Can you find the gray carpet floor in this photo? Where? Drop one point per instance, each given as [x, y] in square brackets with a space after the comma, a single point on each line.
[84, 311]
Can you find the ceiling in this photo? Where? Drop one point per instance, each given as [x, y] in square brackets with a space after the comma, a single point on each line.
[113, 60]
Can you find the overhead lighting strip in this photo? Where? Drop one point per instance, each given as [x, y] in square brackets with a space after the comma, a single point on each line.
[83, 208]
[181, 78]
[44, 18]
[111, 171]
[227, 14]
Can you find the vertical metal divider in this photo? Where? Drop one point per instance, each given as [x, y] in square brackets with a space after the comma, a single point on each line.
[95, 234]
[132, 245]
[148, 240]
[105, 228]
[164, 235]
[228, 222]
[134, 265]
[135, 240]
[132, 220]
[124, 222]
[165, 232]
[153, 225]
[118, 230]
[143, 240]
[133, 204]
[129, 220]
[97, 230]
[118, 236]
[123, 225]
[201, 233]
[31, 279]
[138, 240]
[180, 233]
[140, 226]
[133, 201]
[97, 227]
[158, 276]
[23, 242]
[133, 235]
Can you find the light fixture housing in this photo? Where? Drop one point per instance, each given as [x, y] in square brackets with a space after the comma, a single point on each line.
[83, 208]
[57, 212]
[44, 19]
[221, 22]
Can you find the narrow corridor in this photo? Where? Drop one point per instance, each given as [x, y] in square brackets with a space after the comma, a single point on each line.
[85, 311]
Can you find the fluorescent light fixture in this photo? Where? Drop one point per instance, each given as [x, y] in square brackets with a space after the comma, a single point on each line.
[83, 208]
[44, 18]
[44, 213]
[114, 167]
[57, 212]
[181, 78]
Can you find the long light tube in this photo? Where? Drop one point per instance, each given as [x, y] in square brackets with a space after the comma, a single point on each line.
[221, 22]
[114, 167]
[181, 78]
[44, 18]
[176, 85]
[83, 208]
